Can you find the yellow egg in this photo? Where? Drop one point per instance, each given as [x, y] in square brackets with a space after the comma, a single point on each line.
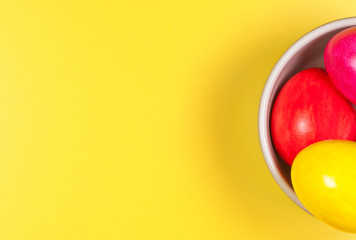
[324, 179]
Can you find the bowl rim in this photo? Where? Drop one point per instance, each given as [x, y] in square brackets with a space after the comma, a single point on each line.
[263, 129]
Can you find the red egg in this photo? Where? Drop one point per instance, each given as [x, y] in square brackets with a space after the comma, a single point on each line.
[340, 62]
[309, 109]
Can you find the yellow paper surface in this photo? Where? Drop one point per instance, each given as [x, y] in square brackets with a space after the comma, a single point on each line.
[138, 119]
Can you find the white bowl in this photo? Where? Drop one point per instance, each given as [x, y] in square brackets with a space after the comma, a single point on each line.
[305, 53]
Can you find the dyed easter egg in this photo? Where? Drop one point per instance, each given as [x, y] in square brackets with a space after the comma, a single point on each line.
[340, 62]
[309, 109]
[324, 179]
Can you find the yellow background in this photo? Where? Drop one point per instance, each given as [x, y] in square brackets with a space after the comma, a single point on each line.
[138, 119]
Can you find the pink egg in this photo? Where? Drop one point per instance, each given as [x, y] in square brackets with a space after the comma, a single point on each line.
[340, 62]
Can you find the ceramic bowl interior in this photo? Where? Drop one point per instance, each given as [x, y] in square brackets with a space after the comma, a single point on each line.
[305, 53]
